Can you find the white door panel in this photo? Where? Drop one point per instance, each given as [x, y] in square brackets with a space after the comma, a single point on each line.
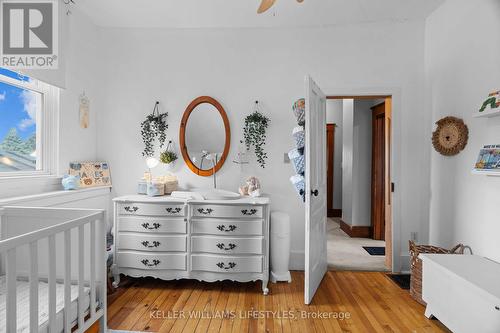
[315, 175]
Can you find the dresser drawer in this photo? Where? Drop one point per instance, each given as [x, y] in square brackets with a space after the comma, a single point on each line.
[148, 209]
[226, 227]
[227, 211]
[152, 224]
[152, 261]
[226, 264]
[148, 242]
[226, 245]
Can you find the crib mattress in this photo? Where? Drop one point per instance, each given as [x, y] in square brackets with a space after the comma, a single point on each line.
[23, 305]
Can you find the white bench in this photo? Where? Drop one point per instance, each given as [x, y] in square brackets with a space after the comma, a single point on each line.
[462, 291]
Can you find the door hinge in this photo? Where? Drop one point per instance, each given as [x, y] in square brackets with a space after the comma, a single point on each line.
[392, 187]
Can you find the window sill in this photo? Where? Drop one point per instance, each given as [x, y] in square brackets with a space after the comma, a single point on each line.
[15, 186]
[54, 195]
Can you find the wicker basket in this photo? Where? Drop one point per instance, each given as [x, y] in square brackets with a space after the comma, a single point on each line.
[416, 266]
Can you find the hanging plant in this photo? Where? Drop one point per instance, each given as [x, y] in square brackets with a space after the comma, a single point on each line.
[254, 133]
[168, 156]
[154, 127]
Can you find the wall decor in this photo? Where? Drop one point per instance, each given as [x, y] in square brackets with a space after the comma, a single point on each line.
[488, 160]
[152, 129]
[490, 106]
[84, 108]
[204, 136]
[169, 156]
[91, 174]
[451, 136]
[254, 133]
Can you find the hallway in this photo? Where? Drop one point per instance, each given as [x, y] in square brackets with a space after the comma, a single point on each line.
[347, 254]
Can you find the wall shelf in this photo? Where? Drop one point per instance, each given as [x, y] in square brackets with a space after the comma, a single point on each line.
[487, 113]
[486, 172]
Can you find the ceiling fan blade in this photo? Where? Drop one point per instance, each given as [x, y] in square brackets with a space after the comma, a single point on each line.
[265, 5]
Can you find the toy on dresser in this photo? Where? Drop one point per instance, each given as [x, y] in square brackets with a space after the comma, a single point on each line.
[251, 188]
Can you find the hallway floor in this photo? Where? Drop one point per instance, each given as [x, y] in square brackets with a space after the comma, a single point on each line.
[347, 254]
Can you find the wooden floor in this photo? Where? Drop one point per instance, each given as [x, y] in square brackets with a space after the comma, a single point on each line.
[371, 300]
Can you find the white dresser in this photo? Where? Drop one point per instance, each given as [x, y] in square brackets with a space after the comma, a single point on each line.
[462, 291]
[209, 240]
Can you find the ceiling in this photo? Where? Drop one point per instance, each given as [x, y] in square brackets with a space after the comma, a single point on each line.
[242, 13]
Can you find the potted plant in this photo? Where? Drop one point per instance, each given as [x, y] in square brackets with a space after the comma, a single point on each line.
[152, 128]
[168, 156]
[254, 133]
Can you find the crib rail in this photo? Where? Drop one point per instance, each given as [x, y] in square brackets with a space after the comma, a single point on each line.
[9, 248]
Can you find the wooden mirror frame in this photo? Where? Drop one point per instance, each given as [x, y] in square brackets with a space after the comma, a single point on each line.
[182, 135]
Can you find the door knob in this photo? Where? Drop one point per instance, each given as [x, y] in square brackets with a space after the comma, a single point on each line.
[315, 193]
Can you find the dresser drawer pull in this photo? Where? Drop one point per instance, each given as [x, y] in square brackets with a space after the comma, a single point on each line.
[207, 211]
[131, 209]
[230, 265]
[173, 210]
[222, 227]
[150, 245]
[146, 262]
[230, 246]
[249, 212]
[146, 225]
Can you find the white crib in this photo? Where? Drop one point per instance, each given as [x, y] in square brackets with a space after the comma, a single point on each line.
[56, 256]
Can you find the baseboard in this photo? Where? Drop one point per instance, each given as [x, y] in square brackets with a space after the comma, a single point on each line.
[297, 260]
[334, 212]
[356, 231]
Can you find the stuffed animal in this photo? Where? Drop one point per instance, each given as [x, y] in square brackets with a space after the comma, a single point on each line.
[251, 187]
[70, 182]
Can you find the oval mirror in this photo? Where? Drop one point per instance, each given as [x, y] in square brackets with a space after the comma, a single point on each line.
[204, 136]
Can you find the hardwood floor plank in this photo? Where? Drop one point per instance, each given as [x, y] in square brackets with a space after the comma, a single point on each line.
[153, 310]
[374, 302]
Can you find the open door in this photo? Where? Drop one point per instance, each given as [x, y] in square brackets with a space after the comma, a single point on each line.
[315, 151]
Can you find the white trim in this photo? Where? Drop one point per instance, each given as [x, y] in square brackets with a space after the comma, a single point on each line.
[395, 93]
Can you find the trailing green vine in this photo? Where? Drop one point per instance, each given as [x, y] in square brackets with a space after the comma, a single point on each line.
[254, 133]
[154, 127]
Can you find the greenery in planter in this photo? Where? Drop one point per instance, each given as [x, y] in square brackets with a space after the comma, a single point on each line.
[168, 156]
[154, 127]
[254, 133]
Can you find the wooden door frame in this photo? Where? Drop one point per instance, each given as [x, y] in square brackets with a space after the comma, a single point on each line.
[377, 234]
[399, 260]
[330, 177]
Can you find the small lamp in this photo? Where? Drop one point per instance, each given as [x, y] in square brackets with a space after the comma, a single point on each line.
[151, 162]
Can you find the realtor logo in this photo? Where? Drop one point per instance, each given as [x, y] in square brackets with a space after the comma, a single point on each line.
[29, 34]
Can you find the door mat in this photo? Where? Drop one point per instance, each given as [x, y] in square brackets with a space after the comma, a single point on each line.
[375, 250]
[402, 280]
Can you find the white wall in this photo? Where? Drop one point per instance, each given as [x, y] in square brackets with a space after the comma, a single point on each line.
[83, 75]
[362, 163]
[241, 65]
[334, 116]
[462, 66]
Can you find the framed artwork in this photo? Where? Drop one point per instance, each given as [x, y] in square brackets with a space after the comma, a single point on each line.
[91, 174]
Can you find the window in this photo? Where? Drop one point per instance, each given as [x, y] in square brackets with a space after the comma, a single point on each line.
[28, 125]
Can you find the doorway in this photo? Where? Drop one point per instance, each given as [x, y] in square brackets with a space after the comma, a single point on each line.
[359, 222]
